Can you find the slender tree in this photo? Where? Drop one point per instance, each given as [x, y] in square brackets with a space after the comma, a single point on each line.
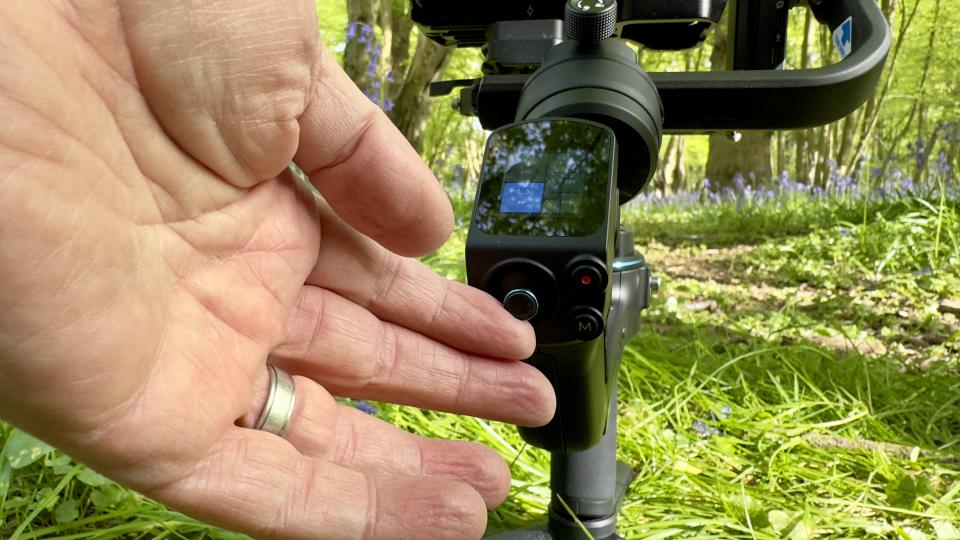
[377, 57]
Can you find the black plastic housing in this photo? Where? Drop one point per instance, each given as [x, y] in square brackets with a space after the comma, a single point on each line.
[497, 263]
[602, 82]
[673, 24]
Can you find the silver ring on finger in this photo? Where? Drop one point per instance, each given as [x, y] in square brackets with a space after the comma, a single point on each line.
[281, 399]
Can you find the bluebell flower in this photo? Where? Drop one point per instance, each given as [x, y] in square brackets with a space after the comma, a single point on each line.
[388, 105]
[943, 164]
[366, 407]
[359, 31]
[738, 180]
[704, 429]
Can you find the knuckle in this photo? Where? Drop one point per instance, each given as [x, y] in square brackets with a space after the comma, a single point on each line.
[456, 511]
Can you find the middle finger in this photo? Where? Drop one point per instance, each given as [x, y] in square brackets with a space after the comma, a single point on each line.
[352, 353]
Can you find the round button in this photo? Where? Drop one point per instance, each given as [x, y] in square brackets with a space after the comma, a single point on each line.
[521, 303]
[587, 278]
[586, 323]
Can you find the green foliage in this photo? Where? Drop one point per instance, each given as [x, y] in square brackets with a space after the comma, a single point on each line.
[45, 494]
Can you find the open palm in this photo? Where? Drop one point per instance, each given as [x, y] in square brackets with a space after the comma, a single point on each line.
[155, 255]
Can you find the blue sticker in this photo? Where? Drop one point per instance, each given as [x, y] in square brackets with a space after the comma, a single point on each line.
[843, 38]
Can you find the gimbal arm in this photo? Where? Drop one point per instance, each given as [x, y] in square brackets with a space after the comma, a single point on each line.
[739, 99]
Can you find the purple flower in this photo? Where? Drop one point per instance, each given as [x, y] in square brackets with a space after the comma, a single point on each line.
[704, 429]
[738, 180]
[388, 105]
[359, 31]
[366, 407]
[374, 61]
[943, 164]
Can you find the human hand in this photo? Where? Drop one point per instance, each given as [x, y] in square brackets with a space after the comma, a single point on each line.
[154, 255]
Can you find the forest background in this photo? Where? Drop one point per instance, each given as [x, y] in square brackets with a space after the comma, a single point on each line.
[909, 122]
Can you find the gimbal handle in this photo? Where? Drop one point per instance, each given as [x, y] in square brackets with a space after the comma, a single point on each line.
[739, 99]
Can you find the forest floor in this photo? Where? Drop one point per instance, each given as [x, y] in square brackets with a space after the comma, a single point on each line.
[726, 284]
[793, 378]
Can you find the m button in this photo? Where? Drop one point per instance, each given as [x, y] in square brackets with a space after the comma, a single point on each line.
[586, 323]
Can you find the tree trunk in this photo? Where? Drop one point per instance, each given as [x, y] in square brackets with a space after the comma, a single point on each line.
[750, 157]
[661, 179]
[802, 170]
[678, 178]
[413, 103]
[361, 16]
[381, 65]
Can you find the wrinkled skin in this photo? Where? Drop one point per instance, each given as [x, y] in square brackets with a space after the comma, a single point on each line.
[155, 254]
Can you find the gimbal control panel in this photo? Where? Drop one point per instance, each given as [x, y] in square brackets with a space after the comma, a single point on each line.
[540, 239]
[541, 242]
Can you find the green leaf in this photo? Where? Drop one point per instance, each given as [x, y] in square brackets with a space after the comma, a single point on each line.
[107, 496]
[778, 519]
[803, 530]
[60, 463]
[909, 533]
[5, 471]
[47, 497]
[23, 449]
[93, 478]
[945, 530]
[904, 491]
[66, 511]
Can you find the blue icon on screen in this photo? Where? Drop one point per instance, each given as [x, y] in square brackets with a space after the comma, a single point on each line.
[522, 197]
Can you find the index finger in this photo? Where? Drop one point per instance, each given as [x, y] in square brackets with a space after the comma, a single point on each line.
[366, 170]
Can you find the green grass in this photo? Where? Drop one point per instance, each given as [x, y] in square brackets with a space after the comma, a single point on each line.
[794, 379]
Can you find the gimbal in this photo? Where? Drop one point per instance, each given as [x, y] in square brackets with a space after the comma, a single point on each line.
[578, 125]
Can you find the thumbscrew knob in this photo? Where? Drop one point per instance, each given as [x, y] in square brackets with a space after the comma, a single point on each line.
[589, 21]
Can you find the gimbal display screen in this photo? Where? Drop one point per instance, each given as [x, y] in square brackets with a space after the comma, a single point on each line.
[545, 178]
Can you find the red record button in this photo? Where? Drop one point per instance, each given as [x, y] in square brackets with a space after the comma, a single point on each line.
[587, 278]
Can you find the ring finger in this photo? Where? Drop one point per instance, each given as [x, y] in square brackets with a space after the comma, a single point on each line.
[319, 427]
